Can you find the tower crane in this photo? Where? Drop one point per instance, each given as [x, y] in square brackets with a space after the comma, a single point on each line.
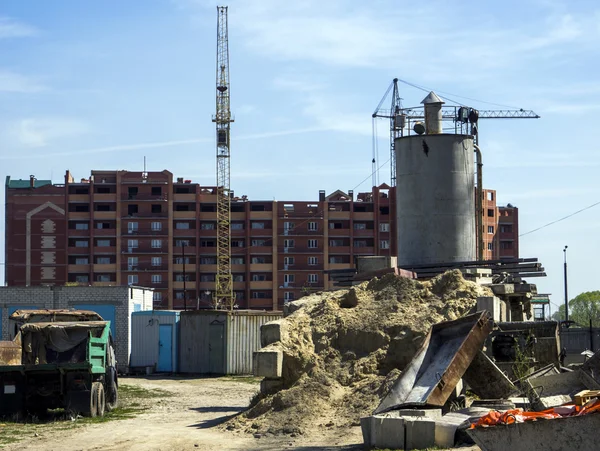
[224, 281]
[398, 117]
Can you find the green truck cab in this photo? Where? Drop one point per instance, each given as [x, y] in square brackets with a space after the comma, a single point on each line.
[58, 359]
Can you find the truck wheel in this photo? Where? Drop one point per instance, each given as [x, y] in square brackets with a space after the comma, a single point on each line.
[101, 402]
[112, 399]
[93, 408]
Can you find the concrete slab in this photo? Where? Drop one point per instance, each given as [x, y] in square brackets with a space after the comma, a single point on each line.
[271, 332]
[493, 305]
[487, 380]
[268, 363]
[425, 413]
[546, 402]
[419, 433]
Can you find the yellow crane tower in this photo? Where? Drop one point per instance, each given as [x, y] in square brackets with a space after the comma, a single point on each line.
[223, 295]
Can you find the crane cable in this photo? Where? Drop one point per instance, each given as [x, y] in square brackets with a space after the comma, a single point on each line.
[561, 219]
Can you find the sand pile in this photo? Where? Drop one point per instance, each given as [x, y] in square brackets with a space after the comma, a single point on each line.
[344, 349]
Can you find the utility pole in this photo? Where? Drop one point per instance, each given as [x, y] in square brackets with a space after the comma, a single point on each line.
[224, 280]
[566, 292]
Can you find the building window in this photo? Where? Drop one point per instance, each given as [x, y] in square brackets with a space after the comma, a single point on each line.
[237, 243]
[82, 261]
[156, 208]
[490, 229]
[506, 228]
[288, 243]
[288, 261]
[360, 226]
[157, 296]
[313, 261]
[237, 260]
[336, 243]
[209, 261]
[288, 278]
[313, 226]
[132, 279]
[288, 226]
[384, 227]
[288, 296]
[258, 225]
[132, 244]
[132, 227]
[259, 278]
[81, 243]
[156, 261]
[207, 226]
[103, 243]
[182, 225]
[82, 278]
[360, 243]
[258, 242]
[182, 243]
[384, 244]
[313, 278]
[103, 260]
[207, 277]
[338, 260]
[102, 278]
[181, 260]
[313, 244]
[182, 277]
[490, 246]
[490, 212]
[132, 263]
[490, 196]
[179, 295]
[259, 295]
[156, 278]
[208, 243]
[237, 226]
[258, 260]
[156, 244]
[81, 226]
[506, 244]
[156, 226]
[156, 191]
[238, 277]
[132, 209]
[103, 225]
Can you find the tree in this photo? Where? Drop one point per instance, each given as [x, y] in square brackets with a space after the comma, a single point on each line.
[584, 307]
[560, 314]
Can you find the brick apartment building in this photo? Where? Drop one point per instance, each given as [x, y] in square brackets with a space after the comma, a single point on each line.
[146, 229]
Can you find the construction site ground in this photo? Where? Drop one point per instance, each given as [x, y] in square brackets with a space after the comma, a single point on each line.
[173, 413]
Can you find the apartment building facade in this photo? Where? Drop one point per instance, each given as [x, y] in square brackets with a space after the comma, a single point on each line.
[147, 229]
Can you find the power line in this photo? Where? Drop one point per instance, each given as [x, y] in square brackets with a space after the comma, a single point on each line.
[561, 219]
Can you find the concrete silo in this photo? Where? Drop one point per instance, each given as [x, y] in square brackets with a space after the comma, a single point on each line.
[435, 191]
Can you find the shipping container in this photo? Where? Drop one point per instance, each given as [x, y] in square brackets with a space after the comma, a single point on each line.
[220, 342]
[155, 340]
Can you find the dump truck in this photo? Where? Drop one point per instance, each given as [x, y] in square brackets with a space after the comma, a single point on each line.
[58, 359]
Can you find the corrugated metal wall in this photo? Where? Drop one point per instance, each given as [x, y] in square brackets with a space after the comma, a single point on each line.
[243, 339]
[145, 328]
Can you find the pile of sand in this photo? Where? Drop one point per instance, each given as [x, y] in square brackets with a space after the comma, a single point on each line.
[344, 349]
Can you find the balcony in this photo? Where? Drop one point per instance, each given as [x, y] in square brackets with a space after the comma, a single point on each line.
[105, 197]
[341, 266]
[184, 197]
[261, 267]
[104, 284]
[143, 197]
[109, 267]
[84, 198]
[79, 233]
[261, 250]
[261, 285]
[264, 233]
[239, 286]
[184, 232]
[261, 215]
[189, 267]
[144, 266]
[79, 268]
[364, 250]
[363, 216]
[144, 250]
[338, 232]
[105, 215]
[338, 215]
[184, 215]
[79, 215]
[105, 250]
[238, 268]
[146, 214]
[204, 268]
[208, 233]
[145, 231]
[203, 286]
[369, 233]
[189, 285]
[161, 284]
[345, 250]
[105, 232]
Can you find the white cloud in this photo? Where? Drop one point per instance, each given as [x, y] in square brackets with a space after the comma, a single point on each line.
[10, 28]
[13, 82]
[39, 132]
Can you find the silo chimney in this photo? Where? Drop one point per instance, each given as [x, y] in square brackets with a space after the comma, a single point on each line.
[32, 181]
[433, 114]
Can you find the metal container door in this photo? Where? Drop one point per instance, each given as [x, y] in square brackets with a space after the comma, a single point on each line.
[216, 348]
[165, 348]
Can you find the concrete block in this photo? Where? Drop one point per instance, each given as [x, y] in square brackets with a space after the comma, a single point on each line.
[268, 363]
[365, 427]
[271, 332]
[546, 402]
[433, 414]
[492, 304]
[269, 386]
[445, 429]
[419, 433]
[374, 263]
[387, 432]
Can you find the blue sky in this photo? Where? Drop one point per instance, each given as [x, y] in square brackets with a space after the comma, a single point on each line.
[100, 85]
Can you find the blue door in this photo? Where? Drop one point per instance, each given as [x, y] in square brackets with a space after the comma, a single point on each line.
[107, 312]
[165, 348]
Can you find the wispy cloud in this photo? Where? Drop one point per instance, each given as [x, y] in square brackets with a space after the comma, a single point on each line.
[151, 145]
[40, 132]
[13, 82]
[11, 28]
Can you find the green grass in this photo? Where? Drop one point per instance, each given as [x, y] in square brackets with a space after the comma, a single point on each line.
[130, 392]
[245, 379]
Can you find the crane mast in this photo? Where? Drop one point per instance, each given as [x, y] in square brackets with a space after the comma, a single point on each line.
[224, 282]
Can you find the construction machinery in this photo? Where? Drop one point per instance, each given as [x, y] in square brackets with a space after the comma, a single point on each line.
[223, 295]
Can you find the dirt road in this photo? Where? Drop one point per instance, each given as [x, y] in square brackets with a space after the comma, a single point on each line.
[185, 420]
